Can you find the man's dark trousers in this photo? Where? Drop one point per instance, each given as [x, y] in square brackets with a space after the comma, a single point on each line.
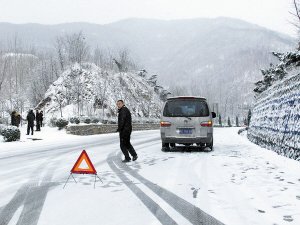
[126, 146]
[30, 127]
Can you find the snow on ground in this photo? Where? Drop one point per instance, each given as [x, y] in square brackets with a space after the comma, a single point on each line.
[47, 133]
[237, 183]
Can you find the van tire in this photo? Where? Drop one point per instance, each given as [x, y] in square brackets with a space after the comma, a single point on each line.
[211, 144]
[165, 147]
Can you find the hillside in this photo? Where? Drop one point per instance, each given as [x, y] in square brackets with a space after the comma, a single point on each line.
[217, 58]
[90, 91]
[275, 121]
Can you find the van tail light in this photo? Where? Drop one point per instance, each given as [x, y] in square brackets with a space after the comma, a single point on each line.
[165, 124]
[206, 124]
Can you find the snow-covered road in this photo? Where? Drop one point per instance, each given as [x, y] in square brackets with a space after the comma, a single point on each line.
[238, 183]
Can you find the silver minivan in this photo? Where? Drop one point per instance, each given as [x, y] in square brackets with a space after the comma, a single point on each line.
[186, 120]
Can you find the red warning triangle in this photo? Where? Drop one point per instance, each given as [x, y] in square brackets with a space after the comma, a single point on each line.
[88, 167]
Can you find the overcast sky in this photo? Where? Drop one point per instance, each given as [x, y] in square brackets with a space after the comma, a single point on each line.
[273, 14]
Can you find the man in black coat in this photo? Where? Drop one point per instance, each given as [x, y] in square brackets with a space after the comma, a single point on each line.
[30, 119]
[125, 129]
[41, 118]
[38, 123]
[18, 119]
[13, 118]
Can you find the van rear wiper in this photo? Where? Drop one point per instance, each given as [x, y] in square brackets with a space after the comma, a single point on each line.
[188, 118]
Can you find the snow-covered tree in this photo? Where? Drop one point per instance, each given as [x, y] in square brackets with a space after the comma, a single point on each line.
[220, 120]
[249, 117]
[229, 122]
[72, 48]
[237, 121]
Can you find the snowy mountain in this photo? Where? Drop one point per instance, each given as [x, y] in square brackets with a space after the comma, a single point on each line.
[217, 58]
[90, 91]
[275, 121]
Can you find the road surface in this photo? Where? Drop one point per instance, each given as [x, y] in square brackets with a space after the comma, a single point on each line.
[238, 183]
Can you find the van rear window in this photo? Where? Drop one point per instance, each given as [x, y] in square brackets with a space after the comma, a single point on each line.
[186, 108]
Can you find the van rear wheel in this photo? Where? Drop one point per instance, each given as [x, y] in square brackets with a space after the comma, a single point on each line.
[165, 147]
[211, 144]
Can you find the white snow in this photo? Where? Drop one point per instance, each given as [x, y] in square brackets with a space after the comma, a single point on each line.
[83, 165]
[237, 183]
[88, 83]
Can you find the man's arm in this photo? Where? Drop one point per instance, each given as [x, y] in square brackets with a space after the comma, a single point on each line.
[121, 120]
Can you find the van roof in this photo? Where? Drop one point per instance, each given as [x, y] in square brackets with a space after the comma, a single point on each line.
[186, 97]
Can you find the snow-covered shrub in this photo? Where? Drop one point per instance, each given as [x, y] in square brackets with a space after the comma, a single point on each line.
[87, 120]
[10, 133]
[75, 120]
[61, 123]
[279, 71]
[111, 122]
[53, 121]
[95, 120]
[104, 121]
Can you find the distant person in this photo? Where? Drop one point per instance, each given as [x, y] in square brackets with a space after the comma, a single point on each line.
[13, 118]
[38, 123]
[125, 129]
[30, 119]
[41, 118]
[18, 119]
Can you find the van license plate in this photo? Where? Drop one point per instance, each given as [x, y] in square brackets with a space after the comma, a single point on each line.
[185, 131]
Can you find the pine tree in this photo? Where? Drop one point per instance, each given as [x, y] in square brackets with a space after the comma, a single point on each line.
[229, 122]
[220, 120]
[237, 121]
[249, 117]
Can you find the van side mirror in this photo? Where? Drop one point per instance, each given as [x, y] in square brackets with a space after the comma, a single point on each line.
[213, 114]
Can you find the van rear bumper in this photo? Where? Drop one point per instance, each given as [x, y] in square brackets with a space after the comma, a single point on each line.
[187, 140]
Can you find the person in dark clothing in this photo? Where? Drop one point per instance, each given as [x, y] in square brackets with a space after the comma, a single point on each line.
[125, 129]
[37, 117]
[18, 119]
[30, 119]
[13, 121]
[41, 118]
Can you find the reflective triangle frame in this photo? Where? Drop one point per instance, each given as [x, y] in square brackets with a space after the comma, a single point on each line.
[91, 169]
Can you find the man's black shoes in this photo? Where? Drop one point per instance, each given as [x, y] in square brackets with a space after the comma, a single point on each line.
[126, 160]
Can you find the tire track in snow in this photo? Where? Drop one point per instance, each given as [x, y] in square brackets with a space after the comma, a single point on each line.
[71, 146]
[153, 207]
[186, 209]
[32, 195]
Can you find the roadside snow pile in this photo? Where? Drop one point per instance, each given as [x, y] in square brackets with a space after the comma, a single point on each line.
[88, 90]
[275, 118]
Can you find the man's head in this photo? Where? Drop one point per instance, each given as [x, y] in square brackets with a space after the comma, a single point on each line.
[120, 104]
